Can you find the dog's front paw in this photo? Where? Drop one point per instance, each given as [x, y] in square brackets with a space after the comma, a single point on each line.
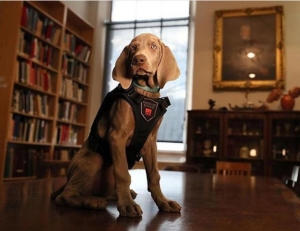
[169, 206]
[131, 209]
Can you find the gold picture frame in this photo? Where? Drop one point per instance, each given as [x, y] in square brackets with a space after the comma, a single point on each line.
[249, 49]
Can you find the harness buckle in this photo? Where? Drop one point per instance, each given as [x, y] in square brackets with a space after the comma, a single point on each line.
[165, 102]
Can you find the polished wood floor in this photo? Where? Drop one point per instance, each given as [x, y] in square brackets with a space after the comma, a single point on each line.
[209, 202]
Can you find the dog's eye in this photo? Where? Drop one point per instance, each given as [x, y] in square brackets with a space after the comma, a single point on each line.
[153, 46]
[133, 47]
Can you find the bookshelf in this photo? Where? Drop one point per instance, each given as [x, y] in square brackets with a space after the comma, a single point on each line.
[269, 140]
[44, 85]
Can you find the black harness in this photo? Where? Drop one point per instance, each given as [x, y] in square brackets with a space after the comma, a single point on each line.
[147, 111]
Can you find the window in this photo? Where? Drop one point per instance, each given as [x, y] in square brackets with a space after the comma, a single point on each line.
[168, 20]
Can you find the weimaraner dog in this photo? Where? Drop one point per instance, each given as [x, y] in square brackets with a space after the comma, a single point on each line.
[99, 170]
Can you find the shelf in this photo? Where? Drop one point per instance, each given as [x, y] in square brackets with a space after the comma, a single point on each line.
[73, 101]
[71, 123]
[297, 136]
[29, 143]
[205, 157]
[245, 159]
[32, 105]
[40, 38]
[48, 118]
[242, 132]
[67, 146]
[287, 161]
[27, 57]
[243, 136]
[20, 178]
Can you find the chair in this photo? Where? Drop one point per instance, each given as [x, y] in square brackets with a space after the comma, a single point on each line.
[233, 168]
[182, 168]
[293, 180]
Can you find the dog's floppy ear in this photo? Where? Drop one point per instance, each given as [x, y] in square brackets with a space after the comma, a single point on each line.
[120, 72]
[168, 69]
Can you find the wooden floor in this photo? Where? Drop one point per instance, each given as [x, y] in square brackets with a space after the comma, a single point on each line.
[209, 202]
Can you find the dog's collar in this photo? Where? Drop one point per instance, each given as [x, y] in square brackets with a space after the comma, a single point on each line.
[146, 88]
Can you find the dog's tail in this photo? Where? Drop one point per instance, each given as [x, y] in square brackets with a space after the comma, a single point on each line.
[57, 192]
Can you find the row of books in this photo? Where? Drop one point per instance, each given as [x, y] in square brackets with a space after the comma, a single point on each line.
[33, 75]
[66, 134]
[35, 49]
[74, 68]
[20, 162]
[73, 45]
[29, 102]
[71, 90]
[28, 129]
[40, 25]
[67, 111]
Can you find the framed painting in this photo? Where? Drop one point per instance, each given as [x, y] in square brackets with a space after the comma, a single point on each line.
[249, 49]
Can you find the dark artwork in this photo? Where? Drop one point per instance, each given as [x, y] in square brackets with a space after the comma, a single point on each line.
[241, 35]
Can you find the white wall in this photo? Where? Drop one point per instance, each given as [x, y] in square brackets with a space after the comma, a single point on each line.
[202, 56]
[203, 53]
[95, 12]
[80, 7]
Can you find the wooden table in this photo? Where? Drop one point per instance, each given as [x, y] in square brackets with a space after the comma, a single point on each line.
[209, 202]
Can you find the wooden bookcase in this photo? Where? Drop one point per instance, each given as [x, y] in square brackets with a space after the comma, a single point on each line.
[44, 85]
[270, 140]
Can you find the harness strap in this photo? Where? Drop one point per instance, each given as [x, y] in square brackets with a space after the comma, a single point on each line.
[147, 112]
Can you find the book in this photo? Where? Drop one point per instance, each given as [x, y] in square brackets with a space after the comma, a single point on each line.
[34, 20]
[17, 119]
[24, 17]
[64, 155]
[48, 61]
[41, 131]
[49, 30]
[21, 127]
[36, 132]
[45, 24]
[11, 127]
[82, 53]
[19, 165]
[34, 48]
[8, 168]
[78, 49]
[25, 131]
[39, 27]
[56, 36]
[87, 55]
[31, 158]
[32, 124]
[29, 18]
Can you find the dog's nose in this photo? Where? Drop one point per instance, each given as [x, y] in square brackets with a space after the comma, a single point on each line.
[138, 60]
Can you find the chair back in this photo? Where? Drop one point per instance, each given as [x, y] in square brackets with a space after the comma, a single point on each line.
[182, 168]
[233, 168]
[293, 180]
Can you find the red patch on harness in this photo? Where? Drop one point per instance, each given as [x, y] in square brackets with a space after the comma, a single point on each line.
[148, 109]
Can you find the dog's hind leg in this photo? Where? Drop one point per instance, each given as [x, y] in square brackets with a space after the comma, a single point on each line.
[83, 182]
[57, 192]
